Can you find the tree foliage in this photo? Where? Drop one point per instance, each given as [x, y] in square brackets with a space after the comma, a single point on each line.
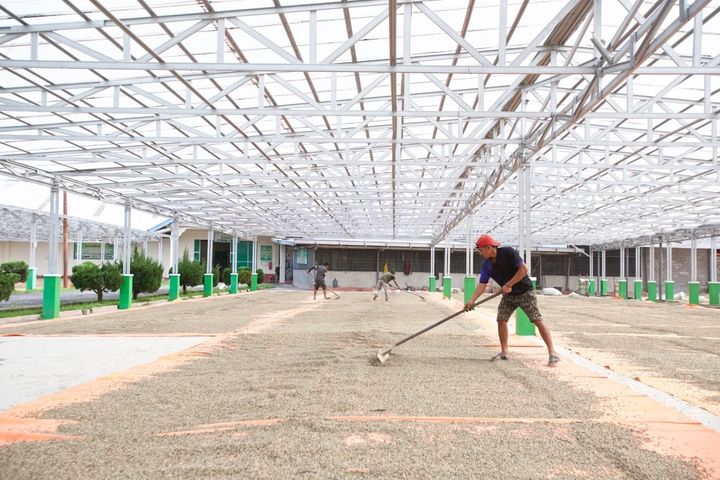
[191, 271]
[19, 267]
[98, 279]
[147, 273]
[7, 285]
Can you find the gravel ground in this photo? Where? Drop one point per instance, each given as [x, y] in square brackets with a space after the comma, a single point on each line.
[500, 420]
[674, 346]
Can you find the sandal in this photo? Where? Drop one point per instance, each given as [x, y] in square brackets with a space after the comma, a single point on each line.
[499, 356]
[553, 360]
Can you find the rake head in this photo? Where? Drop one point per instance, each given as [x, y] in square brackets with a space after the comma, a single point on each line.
[383, 355]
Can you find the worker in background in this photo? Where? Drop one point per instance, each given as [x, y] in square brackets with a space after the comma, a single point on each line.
[384, 283]
[320, 272]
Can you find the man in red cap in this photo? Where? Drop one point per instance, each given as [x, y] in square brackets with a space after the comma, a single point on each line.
[504, 265]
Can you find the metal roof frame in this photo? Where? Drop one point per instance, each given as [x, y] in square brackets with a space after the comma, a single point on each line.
[555, 122]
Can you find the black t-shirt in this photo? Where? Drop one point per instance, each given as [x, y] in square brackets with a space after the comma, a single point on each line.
[503, 269]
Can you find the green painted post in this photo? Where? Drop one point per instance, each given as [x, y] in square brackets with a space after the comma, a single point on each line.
[669, 291]
[469, 287]
[652, 291]
[534, 283]
[603, 287]
[637, 289]
[233, 283]
[174, 290]
[431, 283]
[623, 288]
[51, 297]
[31, 281]
[591, 287]
[523, 325]
[253, 281]
[714, 293]
[126, 292]
[447, 287]
[207, 284]
[694, 290]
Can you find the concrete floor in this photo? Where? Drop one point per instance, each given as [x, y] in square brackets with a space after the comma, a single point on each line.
[34, 366]
[287, 388]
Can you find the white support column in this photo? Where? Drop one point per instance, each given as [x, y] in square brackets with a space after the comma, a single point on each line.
[145, 246]
[282, 263]
[693, 258]
[254, 254]
[432, 261]
[126, 240]
[174, 244]
[102, 250]
[622, 263]
[651, 263]
[79, 247]
[33, 242]
[603, 264]
[446, 266]
[209, 259]
[53, 220]
[668, 270]
[528, 217]
[591, 270]
[116, 248]
[160, 253]
[502, 32]
[638, 264]
[233, 254]
[521, 211]
[312, 44]
[468, 248]
[713, 260]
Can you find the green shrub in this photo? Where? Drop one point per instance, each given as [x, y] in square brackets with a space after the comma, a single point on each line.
[7, 285]
[19, 267]
[226, 275]
[98, 279]
[191, 271]
[147, 273]
[244, 275]
[216, 275]
[260, 275]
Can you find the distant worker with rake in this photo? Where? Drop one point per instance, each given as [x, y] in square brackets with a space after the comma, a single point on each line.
[506, 267]
[320, 272]
[384, 283]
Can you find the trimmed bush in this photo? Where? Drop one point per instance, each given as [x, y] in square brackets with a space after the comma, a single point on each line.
[19, 267]
[226, 275]
[244, 275]
[216, 275]
[191, 271]
[260, 275]
[147, 273]
[7, 285]
[98, 279]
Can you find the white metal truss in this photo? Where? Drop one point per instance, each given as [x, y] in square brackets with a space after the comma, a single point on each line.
[393, 120]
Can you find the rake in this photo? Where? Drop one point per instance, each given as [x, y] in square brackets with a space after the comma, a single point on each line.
[383, 355]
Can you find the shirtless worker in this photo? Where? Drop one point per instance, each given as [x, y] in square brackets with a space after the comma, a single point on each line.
[504, 265]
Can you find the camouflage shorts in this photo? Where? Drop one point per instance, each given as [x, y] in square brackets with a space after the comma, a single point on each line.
[527, 301]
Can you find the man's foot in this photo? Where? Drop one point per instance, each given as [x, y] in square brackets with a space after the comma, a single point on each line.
[500, 356]
[553, 360]
[374, 297]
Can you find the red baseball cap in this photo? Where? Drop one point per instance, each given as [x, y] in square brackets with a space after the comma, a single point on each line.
[486, 241]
